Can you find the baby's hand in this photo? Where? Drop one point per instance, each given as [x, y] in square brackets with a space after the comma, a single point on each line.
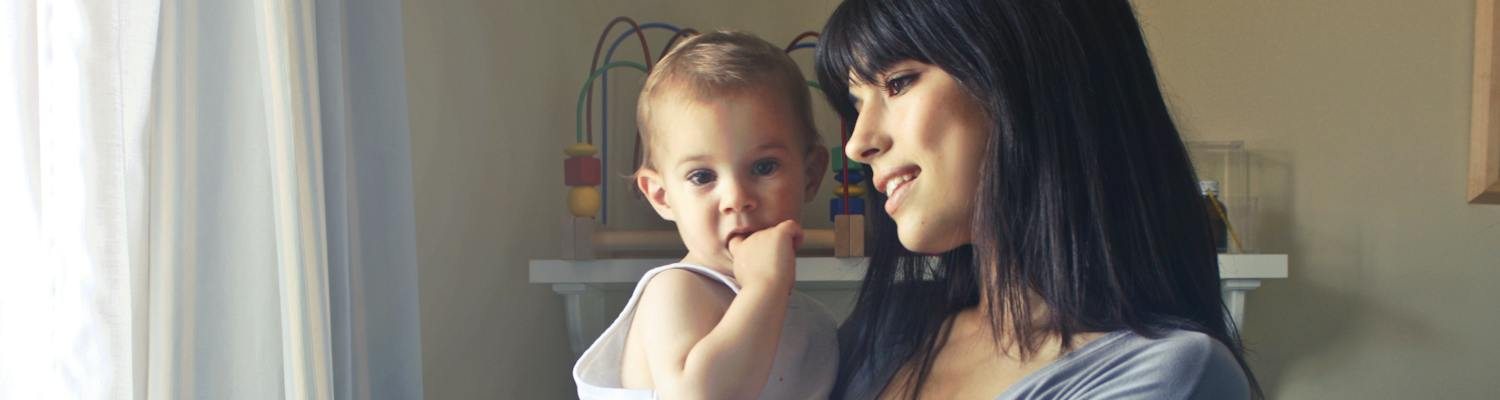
[767, 257]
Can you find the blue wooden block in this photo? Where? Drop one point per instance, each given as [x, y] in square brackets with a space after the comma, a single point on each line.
[836, 206]
[855, 177]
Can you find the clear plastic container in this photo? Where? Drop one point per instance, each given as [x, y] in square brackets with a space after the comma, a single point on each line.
[1227, 165]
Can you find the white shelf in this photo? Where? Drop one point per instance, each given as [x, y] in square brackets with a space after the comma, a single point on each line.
[832, 269]
[581, 283]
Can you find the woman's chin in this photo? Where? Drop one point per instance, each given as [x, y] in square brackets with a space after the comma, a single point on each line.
[924, 241]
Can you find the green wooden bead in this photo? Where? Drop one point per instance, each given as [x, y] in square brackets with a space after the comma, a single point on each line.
[836, 160]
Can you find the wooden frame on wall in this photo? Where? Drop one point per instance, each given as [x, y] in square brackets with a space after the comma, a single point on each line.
[1484, 144]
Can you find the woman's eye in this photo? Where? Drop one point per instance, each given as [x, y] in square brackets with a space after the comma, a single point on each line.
[898, 84]
[765, 167]
[700, 177]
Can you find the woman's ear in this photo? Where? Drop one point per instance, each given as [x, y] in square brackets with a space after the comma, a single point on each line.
[817, 165]
[650, 184]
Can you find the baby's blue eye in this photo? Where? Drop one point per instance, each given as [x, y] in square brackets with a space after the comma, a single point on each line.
[765, 167]
[700, 177]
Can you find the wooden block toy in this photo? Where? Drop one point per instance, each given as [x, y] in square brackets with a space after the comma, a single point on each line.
[849, 236]
[578, 238]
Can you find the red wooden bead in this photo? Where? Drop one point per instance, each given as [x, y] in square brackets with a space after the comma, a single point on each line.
[581, 171]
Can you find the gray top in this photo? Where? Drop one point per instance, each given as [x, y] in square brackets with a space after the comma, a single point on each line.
[1179, 365]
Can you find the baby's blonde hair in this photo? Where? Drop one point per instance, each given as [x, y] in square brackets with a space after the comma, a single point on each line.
[720, 64]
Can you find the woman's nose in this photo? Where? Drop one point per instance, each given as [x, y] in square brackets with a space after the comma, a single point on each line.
[867, 141]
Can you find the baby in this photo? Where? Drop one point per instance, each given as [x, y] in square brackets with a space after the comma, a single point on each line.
[731, 155]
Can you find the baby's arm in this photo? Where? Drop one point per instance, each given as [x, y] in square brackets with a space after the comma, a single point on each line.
[699, 349]
[702, 350]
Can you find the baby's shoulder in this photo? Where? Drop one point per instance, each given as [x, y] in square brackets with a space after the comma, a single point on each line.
[676, 290]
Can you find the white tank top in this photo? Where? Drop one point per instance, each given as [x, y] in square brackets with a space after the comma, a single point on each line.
[804, 368]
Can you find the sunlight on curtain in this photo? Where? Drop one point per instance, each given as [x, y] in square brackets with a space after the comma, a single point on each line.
[72, 109]
[167, 231]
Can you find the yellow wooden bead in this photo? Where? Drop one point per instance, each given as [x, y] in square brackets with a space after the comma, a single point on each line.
[854, 190]
[583, 201]
[580, 149]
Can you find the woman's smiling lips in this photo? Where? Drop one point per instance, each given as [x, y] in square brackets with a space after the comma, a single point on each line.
[895, 185]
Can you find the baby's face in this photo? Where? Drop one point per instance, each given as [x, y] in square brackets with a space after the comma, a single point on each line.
[729, 167]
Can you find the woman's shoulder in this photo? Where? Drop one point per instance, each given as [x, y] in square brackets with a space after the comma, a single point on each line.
[1164, 364]
[1192, 364]
[1177, 348]
[1196, 361]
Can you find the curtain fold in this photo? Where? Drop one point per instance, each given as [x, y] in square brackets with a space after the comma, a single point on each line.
[288, 64]
[74, 98]
[213, 200]
[367, 159]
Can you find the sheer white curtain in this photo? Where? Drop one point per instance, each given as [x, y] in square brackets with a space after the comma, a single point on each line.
[74, 101]
[213, 201]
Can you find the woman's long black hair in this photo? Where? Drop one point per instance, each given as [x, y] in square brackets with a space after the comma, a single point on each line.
[1087, 200]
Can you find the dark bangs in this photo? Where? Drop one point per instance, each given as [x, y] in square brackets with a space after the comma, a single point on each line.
[862, 38]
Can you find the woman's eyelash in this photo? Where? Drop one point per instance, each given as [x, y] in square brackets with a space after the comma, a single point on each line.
[898, 84]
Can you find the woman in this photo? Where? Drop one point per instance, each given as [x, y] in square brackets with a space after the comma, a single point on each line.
[1041, 234]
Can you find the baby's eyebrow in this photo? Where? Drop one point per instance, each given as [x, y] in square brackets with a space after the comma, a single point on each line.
[692, 158]
[773, 146]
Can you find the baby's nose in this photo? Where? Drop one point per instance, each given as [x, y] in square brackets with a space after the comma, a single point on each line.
[736, 199]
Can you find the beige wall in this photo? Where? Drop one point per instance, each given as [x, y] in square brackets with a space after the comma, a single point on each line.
[492, 86]
[1356, 111]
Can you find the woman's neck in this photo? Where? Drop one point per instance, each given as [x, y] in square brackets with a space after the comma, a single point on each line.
[982, 320]
[973, 324]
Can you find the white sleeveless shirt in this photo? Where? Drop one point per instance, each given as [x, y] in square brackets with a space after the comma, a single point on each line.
[804, 368]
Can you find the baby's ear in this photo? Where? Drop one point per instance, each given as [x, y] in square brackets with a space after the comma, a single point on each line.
[650, 184]
[817, 164]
